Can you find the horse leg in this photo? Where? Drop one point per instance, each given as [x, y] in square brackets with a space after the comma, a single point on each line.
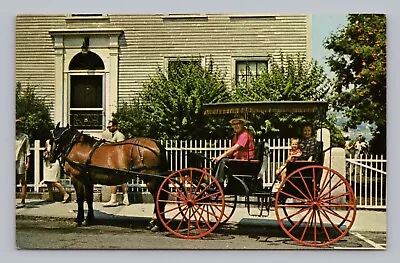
[89, 200]
[80, 197]
[155, 225]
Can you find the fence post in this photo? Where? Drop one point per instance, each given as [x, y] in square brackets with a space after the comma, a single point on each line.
[37, 159]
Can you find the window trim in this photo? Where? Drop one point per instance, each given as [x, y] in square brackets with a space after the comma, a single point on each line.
[235, 60]
[101, 73]
[67, 43]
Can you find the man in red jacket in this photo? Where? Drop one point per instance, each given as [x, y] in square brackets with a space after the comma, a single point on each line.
[242, 147]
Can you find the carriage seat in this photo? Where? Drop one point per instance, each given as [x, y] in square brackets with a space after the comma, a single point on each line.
[247, 175]
[253, 168]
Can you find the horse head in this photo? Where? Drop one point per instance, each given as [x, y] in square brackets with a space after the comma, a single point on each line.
[60, 140]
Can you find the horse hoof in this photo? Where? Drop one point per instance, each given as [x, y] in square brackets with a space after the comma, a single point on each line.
[151, 224]
[155, 229]
[78, 224]
[88, 222]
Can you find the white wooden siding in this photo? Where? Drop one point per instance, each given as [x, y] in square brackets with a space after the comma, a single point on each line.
[149, 39]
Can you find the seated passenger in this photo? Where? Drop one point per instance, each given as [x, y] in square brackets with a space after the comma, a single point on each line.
[242, 148]
[293, 155]
[309, 145]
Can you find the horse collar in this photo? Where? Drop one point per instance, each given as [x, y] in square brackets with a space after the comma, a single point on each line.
[69, 148]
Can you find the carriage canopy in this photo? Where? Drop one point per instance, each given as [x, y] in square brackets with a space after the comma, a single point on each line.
[320, 107]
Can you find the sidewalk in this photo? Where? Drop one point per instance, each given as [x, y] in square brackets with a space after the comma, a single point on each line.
[366, 220]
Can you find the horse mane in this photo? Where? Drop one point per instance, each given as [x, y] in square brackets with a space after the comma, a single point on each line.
[87, 139]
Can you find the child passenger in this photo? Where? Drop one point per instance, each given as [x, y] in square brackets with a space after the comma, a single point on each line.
[293, 155]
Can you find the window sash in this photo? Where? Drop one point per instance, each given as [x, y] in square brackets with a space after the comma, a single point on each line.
[246, 69]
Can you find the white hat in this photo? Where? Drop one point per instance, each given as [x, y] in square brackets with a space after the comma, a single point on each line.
[238, 119]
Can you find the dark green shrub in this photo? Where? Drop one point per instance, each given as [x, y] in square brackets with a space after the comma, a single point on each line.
[34, 112]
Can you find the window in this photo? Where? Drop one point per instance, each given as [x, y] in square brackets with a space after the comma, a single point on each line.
[86, 101]
[89, 61]
[245, 70]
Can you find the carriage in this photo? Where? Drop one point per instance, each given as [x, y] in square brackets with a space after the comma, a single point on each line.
[314, 205]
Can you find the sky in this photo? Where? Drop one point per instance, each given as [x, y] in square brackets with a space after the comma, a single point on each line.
[323, 25]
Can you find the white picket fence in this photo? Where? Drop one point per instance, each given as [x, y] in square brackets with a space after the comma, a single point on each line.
[367, 175]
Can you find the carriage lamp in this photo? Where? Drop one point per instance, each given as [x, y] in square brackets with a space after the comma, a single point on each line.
[85, 46]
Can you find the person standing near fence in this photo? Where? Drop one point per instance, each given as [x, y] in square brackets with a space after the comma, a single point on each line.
[112, 134]
[51, 176]
[22, 156]
[361, 147]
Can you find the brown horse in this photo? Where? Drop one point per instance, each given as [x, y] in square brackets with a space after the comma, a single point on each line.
[88, 161]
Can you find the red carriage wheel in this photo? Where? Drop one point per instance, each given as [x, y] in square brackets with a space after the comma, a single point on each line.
[188, 196]
[229, 207]
[315, 206]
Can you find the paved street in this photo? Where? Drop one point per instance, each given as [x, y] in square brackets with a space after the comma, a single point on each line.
[50, 226]
[129, 233]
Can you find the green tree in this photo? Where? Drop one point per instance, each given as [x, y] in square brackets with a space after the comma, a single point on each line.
[33, 111]
[359, 64]
[132, 119]
[171, 103]
[292, 78]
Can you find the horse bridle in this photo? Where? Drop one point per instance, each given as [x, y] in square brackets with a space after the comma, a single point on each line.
[58, 142]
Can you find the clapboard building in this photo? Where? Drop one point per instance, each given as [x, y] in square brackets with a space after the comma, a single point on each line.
[85, 64]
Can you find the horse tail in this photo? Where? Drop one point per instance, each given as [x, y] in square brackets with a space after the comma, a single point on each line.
[163, 162]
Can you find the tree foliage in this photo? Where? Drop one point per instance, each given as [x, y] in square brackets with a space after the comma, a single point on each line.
[33, 111]
[292, 78]
[170, 105]
[359, 64]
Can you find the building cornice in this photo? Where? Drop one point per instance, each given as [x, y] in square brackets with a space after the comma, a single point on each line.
[86, 31]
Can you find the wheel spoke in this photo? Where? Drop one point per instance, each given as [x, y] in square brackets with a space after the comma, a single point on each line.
[305, 184]
[296, 187]
[172, 209]
[207, 196]
[298, 223]
[201, 216]
[288, 195]
[181, 221]
[296, 213]
[336, 186]
[212, 209]
[314, 180]
[183, 180]
[199, 183]
[197, 224]
[334, 213]
[323, 226]
[191, 180]
[173, 194]
[332, 223]
[307, 224]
